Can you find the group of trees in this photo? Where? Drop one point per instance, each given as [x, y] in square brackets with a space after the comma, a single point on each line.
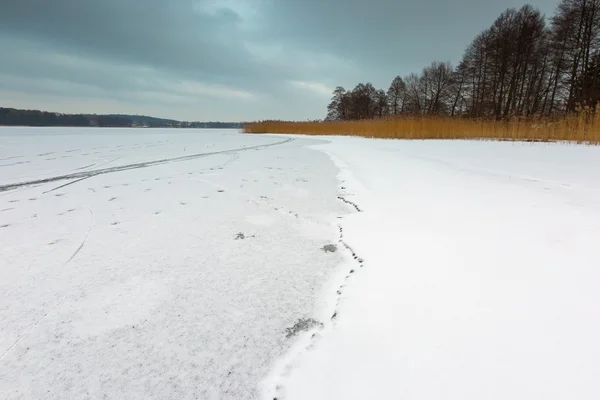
[520, 66]
[15, 117]
[12, 116]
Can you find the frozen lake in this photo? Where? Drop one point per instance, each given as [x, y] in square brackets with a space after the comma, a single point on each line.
[184, 264]
[162, 264]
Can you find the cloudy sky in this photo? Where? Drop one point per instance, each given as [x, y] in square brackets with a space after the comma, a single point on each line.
[223, 59]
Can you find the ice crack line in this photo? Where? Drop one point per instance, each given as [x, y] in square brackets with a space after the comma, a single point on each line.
[278, 390]
[360, 262]
[353, 204]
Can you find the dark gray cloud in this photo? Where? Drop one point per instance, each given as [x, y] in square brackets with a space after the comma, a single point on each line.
[222, 59]
[174, 35]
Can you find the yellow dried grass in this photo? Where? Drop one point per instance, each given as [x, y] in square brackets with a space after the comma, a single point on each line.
[583, 127]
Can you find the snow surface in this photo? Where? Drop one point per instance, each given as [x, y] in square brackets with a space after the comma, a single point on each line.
[481, 276]
[123, 274]
[181, 264]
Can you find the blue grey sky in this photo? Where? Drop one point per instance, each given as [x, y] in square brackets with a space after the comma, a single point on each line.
[223, 59]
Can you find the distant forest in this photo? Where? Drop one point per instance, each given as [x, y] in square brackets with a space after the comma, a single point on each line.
[523, 65]
[15, 117]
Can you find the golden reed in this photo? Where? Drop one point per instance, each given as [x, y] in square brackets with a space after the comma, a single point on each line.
[583, 127]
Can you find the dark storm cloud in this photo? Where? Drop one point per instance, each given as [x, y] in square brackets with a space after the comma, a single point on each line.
[161, 34]
[230, 59]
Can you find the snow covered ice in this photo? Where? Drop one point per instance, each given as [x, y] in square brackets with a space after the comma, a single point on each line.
[175, 264]
[481, 277]
[137, 283]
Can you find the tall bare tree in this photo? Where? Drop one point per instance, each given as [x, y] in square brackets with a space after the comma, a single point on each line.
[415, 98]
[437, 80]
[396, 95]
[339, 107]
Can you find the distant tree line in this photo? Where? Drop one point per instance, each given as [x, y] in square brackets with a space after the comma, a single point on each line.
[15, 117]
[522, 65]
[11, 116]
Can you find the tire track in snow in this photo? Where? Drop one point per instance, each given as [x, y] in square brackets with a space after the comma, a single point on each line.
[145, 164]
[67, 184]
[84, 178]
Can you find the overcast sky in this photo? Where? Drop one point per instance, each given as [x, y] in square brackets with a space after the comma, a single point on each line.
[223, 59]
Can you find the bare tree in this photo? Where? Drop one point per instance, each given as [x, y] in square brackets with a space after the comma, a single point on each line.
[396, 95]
[437, 81]
[414, 102]
[381, 103]
[363, 101]
[577, 24]
[339, 107]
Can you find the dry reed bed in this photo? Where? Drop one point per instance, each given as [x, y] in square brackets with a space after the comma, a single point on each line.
[580, 128]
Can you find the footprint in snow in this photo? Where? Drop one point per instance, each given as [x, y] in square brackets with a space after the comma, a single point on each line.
[6, 209]
[112, 199]
[115, 223]
[4, 226]
[59, 194]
